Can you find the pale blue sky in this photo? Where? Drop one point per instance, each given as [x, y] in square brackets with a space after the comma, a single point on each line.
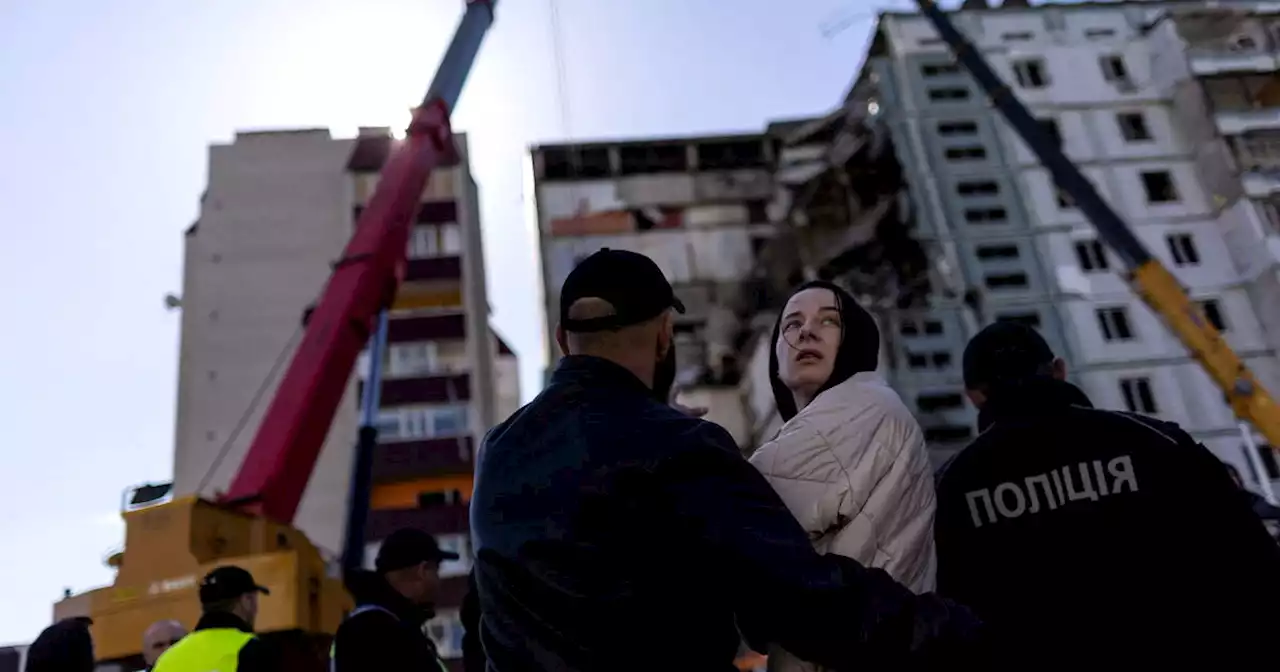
[106, 112]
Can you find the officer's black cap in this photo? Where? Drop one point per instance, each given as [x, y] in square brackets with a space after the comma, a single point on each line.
[628, 281]
[227, 583]
[1005, 353]
[407, 547]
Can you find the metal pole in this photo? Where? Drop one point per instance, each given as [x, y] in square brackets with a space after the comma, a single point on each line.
[362, 459]
[1255, 461]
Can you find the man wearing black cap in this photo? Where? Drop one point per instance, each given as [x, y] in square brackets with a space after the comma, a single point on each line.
[384, 633]
[1090, 538]
[223, 638]
[617, 533]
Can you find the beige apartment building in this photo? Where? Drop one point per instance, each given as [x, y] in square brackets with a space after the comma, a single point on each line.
[279, 208]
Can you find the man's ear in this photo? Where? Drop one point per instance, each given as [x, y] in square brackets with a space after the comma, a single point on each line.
[976, 397]
[1059, 369]
[562, 340]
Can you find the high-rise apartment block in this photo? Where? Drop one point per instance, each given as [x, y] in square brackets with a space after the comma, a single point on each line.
[919, 197]
[279, 208]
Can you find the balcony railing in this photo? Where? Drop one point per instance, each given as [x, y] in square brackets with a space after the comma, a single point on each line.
[428, 457]
[439, 519]
[1258, 153]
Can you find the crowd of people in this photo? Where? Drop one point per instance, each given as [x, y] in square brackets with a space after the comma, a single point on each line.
[615, 530]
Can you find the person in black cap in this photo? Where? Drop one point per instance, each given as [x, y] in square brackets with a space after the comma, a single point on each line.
[223, 638]
[614, 532]
[393, 602]
[1091, 538]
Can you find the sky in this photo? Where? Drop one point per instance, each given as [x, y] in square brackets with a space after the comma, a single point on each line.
[106, 115]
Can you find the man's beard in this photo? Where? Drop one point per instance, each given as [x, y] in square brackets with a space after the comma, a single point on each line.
[664, 376]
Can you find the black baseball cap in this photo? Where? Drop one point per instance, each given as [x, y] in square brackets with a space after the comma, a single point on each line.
[1004, 353]
[407, 547]
[629, 281]
[228, 582]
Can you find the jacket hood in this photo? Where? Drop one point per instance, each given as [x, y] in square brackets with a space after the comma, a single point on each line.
[1034, 396]
[65, 646]
[859, 348]
[371, 588]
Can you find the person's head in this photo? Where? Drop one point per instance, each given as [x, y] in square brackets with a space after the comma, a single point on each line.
[821, 338]
[1004, 358]
[65, 646]
[617, 305]
[409, 559]
[159, 637]
[231, 590]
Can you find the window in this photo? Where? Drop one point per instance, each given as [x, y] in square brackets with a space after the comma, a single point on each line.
[932, 327]
[422, 422]
[1133, 126]
[1006, 280]
[989, 252]
[435, 240]
[1137, 395]
[1268, 455]
[910, 327]
[1050, 127]
[1113, 68]
[446, 631]
[1028, 319]
[969, 153]
[941, 360]
[954, 128]
[928, 403]
[917, 361]
[451, 239]
[1031, 73]
[1159, 186]
[939, 69]
[948, 94]
[985, 215]
[450, 421]
[413, 359]
[983, 188]
[1092, 256]
[1213, 313]
[1064, 199]
[1182, 247]
[1017, 37]
[1114, 323]
[937, 360]
[388, 425]
[1099, 33]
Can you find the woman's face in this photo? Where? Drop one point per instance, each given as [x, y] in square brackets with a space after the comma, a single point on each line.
[808, 340]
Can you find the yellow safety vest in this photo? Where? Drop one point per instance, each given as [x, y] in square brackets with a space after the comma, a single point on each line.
[211, 650]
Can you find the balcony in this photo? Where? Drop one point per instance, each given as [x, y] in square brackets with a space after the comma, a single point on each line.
[1227, 40]
[431, 269]
[452, 326]
[425, 390]
[439, 519]
[1244, 104]
[429, 457]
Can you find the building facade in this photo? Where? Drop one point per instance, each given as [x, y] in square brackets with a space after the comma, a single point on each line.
[279, 208]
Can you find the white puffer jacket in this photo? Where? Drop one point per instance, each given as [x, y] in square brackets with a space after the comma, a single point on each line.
[852, 468]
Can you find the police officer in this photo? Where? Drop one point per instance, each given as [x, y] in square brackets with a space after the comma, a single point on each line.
[223, 639]
[1089, 538]
[384, 633]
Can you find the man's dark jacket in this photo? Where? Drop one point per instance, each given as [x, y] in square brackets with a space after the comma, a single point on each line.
[616, 533]
[386, 641]
[65, 646]
[1088, 537]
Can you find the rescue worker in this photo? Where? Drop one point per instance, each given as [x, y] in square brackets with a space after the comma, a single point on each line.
[65, 646]
[158, 638]
[1091, 539]
[614, 532]
[384, 633]
[223, 639]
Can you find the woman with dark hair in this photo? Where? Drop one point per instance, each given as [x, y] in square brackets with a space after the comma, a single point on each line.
[850, 462]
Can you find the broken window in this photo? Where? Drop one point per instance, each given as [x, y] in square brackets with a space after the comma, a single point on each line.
[1159, 187]
[730, 155]
[1213, 313]
[653, 158]
[1031, 73]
